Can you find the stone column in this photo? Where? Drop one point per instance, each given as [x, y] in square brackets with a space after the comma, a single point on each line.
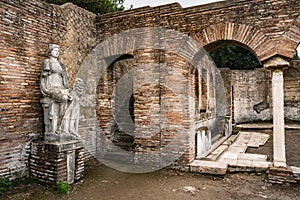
[278, 119]
[277, 64]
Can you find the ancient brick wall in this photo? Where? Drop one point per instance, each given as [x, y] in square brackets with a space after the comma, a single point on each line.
[25, 33]
[266, 27]
[76, 33]
[259, 26]
[249, 88]
[292, 92]
[26, 29]
[161, 107]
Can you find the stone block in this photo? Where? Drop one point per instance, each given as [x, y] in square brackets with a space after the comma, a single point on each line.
[229, 158]
[281, 175]
[258, 139]
[229, 155]
[237, 149]
[230, 140]
[254, 157]
[52, 162]
[208, 167]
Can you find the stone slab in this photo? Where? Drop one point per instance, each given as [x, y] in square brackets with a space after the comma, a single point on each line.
[229, 155]
[245, 163]
[242, 139]
[258, 139]
[209, 167]
[295, 170]
[229, 158]
[266, 126]
[255, 126]
[253, 164]
[262, 165]
[213, 156]
[230, 162]
[254, 157]
[220, 149]
[292, 126]
[62, 146]
[237, 149]
[230, 140]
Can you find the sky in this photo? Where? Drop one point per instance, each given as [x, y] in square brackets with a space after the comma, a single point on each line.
[183, 3]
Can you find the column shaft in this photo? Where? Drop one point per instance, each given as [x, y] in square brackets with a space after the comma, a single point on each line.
[278, 119]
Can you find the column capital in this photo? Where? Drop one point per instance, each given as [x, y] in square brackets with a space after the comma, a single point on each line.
[277, 71]
[276, 63]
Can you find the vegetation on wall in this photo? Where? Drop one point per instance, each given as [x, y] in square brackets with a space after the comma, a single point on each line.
[296, 55]
[95, 6]
[234, 57]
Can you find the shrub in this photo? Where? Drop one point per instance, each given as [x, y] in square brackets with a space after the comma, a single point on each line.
[62, 187]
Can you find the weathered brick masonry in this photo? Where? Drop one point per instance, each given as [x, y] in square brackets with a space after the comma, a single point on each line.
[49, 163]
[267, 28]
[248, 88]
[26, 29]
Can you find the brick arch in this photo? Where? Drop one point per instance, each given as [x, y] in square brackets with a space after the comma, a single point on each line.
[243, 34]
[127, 42]
[290, 40]
[214, 45]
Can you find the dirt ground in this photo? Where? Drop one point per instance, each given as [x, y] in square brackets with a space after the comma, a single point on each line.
[101, 183]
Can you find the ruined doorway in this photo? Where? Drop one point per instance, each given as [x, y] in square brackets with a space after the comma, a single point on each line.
[247, 84]
[115, 103]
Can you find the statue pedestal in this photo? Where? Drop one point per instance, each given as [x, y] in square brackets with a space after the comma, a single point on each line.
[50, 162]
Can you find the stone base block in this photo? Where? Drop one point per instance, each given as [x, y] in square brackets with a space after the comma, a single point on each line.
[208, 167]
[281, 175]
[59, 161]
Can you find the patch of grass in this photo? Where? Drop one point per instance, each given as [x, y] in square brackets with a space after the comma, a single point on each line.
[23, 180]
[62, 187]
[5, 186]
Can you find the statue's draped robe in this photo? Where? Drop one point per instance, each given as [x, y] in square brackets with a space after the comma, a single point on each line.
[53, 84]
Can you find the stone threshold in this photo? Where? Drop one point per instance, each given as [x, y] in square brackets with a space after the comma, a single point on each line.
[266, 125]
[230, 155]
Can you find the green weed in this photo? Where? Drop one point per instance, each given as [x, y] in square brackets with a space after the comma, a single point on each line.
[62, 187]
[5, 186]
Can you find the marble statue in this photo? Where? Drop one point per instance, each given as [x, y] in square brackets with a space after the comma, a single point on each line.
[60, 103]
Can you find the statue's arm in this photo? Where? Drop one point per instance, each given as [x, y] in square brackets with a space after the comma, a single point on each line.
[43, 79]
[65, 75]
